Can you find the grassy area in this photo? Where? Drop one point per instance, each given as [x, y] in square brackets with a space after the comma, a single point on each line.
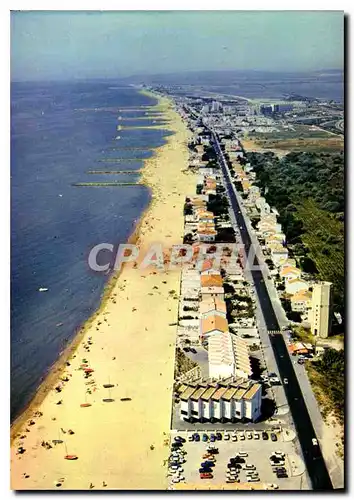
[327, 378]
[302, 138]
[183, 364]
[327, 381]
[325, 240]
[303, 334]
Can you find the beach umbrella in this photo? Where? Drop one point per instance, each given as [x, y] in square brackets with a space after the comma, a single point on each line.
[109, 399]
[109, 385]
[85, 404]
[67, 455]
[88, 370]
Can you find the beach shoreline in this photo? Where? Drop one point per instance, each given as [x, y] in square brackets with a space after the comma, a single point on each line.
[157, 182]
[54, 372]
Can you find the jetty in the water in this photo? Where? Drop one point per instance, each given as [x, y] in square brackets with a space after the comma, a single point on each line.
[103, 184]
[151, 127]
[118, 160]
[130, 149]
[132, 118]
[114, 172]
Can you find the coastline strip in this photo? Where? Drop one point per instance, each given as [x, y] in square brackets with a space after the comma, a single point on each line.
[134, 440]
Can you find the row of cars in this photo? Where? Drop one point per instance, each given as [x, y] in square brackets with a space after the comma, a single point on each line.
[270, 379]
[234, 436]
[277, 461]
[206, 467]
[238, 463]
[189, 349]
[205, 437]
[176, 460]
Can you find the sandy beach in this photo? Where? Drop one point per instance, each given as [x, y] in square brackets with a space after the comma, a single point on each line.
[129, 345]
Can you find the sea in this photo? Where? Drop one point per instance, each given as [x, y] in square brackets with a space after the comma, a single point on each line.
[60, 132]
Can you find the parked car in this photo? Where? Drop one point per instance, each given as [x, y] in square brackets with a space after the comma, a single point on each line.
[234, 438]
[242, 454]
[286, 381]
[249, 434]
[180, 439]
[196, 437]
[273, 437]
[277, 465]
[206, 475]
[205, 470]
[207, 463]
[205, 437]
[265, 436]
[227, 437]
[314, 442]
[194, 351]
[176, 445]
[242, 436]
[191, 438]
[212, 438]
[256, 435]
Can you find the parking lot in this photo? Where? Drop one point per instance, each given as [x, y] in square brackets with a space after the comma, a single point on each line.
[258, 452]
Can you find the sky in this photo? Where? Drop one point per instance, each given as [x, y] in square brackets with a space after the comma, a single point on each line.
[56, 45]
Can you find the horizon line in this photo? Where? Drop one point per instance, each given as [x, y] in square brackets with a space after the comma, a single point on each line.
[149, 75]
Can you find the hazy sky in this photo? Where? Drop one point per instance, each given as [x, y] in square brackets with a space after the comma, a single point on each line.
[62, 45]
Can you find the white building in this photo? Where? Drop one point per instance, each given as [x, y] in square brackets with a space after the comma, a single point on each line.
[279, 254]
[211, 286]
[301, 301]
[252, 403]
[321, 313]
[221, 356]
[296, 285]
[212, 324]
[235, 401]
[289, 272]
[212, 306]
[241, 356]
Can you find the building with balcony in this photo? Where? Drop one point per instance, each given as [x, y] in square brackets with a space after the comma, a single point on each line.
[235, 401]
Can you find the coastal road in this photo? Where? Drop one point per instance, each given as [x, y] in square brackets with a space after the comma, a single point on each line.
[312, 454]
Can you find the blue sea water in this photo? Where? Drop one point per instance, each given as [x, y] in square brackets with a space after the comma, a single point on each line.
[60, 131]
